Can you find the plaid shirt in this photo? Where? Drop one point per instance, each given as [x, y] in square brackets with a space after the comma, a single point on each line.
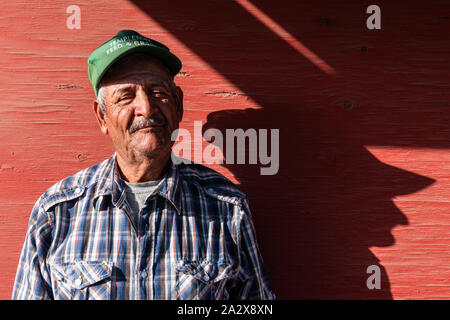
[194, 239]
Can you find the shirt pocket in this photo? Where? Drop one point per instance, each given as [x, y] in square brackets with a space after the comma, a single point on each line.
[82, 280]
[202, 280]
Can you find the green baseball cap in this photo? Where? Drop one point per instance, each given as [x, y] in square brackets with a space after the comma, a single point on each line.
[125, 43]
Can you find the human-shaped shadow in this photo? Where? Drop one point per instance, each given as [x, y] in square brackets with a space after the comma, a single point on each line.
[331, 200]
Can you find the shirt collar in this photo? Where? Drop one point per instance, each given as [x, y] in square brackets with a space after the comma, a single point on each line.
[170, 186]
[111, 184]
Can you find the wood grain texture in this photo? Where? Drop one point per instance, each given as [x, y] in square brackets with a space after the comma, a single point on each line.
[364, 156]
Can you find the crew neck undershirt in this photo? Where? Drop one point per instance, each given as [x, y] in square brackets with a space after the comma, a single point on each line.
[137, 194]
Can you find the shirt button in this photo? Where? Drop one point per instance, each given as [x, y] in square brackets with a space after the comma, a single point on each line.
[78, 282]
[77, 190]
[144, 274]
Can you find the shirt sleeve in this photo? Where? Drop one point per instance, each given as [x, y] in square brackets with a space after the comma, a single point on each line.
[251, 282]
[33, 277]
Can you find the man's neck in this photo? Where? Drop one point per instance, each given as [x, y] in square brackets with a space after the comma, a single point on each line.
[142, 169]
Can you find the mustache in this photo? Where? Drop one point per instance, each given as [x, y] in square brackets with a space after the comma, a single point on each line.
[146, 123]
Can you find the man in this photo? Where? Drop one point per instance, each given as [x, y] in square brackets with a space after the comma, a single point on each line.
[137, 225]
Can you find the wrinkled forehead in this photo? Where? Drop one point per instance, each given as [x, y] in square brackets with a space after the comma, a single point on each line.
[137, 68]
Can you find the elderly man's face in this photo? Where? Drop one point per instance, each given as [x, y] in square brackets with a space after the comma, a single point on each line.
[143, 107]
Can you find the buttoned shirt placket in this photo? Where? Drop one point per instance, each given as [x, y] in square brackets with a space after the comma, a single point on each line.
[123, 208]
[145, 259]
[146, 248]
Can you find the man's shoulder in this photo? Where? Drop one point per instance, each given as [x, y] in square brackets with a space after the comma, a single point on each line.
[75, 185]
[211, 182]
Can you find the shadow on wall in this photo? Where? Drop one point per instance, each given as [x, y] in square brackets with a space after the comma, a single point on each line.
[331, 199]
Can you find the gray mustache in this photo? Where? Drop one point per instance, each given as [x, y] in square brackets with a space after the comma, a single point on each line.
[147, 122]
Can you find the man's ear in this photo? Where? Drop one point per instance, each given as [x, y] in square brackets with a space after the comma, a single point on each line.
[100, 117]
[179, 94]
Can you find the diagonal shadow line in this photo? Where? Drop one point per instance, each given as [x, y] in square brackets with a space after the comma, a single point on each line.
[212, 49]
[287, 37]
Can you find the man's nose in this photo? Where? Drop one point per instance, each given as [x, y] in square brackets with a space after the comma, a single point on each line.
[143, 105]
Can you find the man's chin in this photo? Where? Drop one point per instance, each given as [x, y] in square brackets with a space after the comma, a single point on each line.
[153, 151]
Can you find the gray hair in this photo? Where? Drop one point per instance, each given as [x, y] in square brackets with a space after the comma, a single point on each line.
[101, 98]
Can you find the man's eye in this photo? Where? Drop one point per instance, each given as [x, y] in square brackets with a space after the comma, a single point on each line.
[158, 94]
[124, 98]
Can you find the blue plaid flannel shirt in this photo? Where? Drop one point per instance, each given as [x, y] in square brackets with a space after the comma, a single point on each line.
[194, 239]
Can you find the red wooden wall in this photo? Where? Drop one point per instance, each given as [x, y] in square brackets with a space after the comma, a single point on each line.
[364, 171]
